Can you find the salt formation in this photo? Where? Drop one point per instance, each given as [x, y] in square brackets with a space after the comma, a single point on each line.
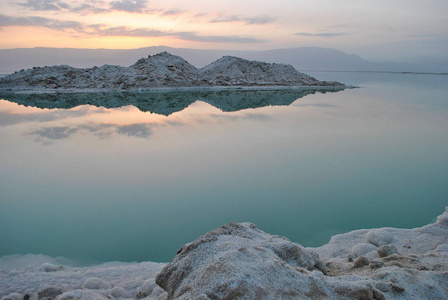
[160, 70]
[239, 261]
[242, 262]
[230, 70]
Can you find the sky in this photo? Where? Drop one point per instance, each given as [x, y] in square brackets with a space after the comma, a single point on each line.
[374, 29]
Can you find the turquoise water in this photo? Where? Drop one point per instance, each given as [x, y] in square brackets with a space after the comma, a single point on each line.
[114, 183]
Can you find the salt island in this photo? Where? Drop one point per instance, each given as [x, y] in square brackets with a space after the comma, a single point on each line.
[163, 71]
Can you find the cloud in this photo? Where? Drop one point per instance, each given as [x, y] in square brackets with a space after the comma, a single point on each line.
[40, 5]
[325, 105]
[10, 118]
[253, 20]
[48, 134]
[103, 30]
[259, 20]
[247, 116]
[39, 22]
[55, 133]
[136, 130]
[323, 34]
[92, 6]
[187, 36]
[191, 36]
[200, 15]
[125, 31]
[172, 12]
[86, 8]
[135, 6]
[102, 130]
[226, 19]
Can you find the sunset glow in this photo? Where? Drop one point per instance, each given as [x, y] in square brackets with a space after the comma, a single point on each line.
[366, 28]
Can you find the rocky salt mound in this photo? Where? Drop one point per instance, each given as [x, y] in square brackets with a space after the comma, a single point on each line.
[62, 77]
[234, 71]
[239, 261]
[160, 71]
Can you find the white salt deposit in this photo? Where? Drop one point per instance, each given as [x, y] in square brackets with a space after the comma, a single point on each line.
[363, 249]
[49, 267]
[94, 283]
[240, 261]
[161, 70]
[378, 237]
[106, 279]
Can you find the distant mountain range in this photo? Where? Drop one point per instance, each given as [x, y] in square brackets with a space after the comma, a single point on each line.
[303, 59]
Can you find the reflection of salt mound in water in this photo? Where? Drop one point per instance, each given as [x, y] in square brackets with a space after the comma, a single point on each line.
[166, 103]
[239, 261]
[238, 100]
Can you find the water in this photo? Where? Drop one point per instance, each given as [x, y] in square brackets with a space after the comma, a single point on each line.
[116, 183]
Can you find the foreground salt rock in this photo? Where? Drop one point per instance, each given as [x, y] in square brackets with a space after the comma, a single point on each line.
[239, 261]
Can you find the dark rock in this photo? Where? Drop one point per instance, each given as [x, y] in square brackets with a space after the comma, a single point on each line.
[366, 292]
[397, 289]
[50, 292]
[387, 250]
[141, 295]
[361, 261]
[376, 264]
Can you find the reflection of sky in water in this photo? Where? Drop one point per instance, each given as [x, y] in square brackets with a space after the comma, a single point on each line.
[121, 184]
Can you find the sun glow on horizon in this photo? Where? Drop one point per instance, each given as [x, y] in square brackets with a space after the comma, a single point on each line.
[353, 27]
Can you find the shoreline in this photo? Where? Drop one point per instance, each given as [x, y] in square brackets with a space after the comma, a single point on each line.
[22, 90]
[353, 259]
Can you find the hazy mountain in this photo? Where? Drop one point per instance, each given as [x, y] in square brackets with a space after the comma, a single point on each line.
[313, 58]
[305, 58]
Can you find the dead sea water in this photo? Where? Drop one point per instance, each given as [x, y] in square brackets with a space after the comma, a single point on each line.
[136, 182]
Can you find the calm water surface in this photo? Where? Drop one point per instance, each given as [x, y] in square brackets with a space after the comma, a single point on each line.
[104, 184]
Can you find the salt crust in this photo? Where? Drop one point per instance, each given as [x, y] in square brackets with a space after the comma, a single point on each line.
[240, 261]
